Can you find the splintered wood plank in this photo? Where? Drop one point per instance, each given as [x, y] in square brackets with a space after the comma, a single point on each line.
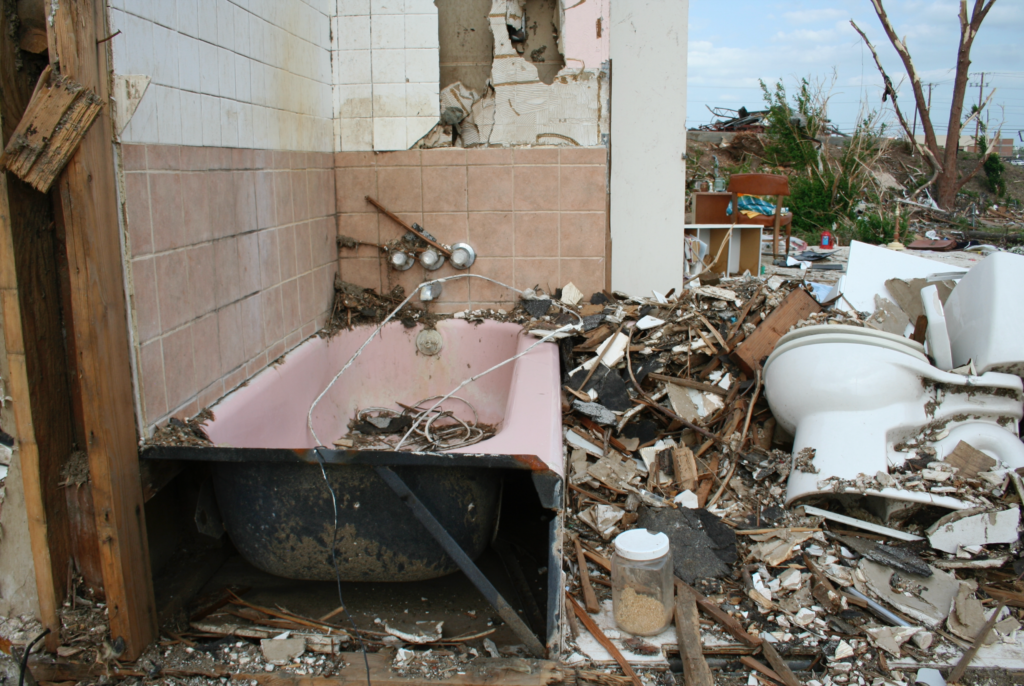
[751, 353]
[57, 117]
[88, 198]
[695, 667]
[589, 597]
[969, 460]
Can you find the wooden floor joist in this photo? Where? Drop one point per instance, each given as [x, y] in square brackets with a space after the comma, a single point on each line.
[88, 201]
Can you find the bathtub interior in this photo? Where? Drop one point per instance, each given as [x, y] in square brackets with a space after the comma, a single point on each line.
[270, 412]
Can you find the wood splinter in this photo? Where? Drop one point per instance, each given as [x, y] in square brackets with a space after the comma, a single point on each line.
[54, 123]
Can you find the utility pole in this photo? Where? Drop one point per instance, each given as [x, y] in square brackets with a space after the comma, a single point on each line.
[977, 122]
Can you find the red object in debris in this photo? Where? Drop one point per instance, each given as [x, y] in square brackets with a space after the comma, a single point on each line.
[828, 241]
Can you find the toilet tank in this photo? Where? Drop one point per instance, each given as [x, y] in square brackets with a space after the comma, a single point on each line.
[985, 315]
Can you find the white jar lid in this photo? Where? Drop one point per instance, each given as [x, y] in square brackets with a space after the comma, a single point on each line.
[641, 544]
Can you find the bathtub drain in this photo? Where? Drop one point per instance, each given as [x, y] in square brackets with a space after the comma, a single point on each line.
[429, 342]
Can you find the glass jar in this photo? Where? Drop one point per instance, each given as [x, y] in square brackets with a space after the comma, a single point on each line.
[642, 582]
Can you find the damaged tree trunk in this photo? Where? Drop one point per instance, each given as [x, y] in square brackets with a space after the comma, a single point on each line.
[946, 177]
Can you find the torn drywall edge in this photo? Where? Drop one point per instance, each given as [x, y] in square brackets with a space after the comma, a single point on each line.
[519, 108]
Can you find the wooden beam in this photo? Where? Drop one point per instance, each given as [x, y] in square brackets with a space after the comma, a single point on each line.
[695, 668]
[478, 672]
[760, 344]
[88, 199]
[34, 338]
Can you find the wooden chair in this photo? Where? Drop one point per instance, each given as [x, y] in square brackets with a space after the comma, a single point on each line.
[763, 184]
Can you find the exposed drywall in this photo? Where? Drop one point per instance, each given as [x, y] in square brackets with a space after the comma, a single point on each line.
[519, 108]
[648, 174]
[466, 43]
[542, 24]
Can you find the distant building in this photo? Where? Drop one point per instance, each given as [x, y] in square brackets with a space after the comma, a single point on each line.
[1004, 146]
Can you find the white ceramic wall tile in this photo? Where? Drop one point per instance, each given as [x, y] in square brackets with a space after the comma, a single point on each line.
[388, 66]
[354, 67]
[211, 120]
[144, 125]
[353, 33]
[191, 118]
[355, 101]
[421, 99]
[168, 114]
[165, 57]
[387, 7]
[421, 31]
[229, 123]
[165, 13]
[249, 73]
[245, 125]
[348, 8]
[241, 25]
[225, 24]
[421, 7]
[139, 51]
[209, 72]
[387, 32]
[389, 133]
[208, 21]
[417, 128]
[243, 82]
[423, 66]
[189, 71]
[188, 17]
[389, 100]
[226, 72]
[140, 8]
[119, 43]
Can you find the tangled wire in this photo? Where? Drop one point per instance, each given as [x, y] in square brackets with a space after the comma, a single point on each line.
[426, 428]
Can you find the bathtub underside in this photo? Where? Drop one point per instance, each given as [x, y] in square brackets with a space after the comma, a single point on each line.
[377, 538]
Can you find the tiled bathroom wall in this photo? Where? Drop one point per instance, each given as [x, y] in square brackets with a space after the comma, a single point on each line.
[232, 262]
[233, 74]
[227, 189]
[535, 216]
[387, 74]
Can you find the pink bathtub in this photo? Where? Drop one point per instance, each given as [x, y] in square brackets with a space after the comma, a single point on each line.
[521, 398]
[271, 478]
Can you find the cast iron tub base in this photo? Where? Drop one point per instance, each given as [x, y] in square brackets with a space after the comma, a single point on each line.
[546, 482]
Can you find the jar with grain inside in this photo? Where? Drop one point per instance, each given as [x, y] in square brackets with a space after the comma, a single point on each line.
[642, 579]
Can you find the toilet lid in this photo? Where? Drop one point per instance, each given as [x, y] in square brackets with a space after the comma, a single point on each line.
[857, 335]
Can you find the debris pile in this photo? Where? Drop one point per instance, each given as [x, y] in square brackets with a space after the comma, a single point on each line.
[667, 428]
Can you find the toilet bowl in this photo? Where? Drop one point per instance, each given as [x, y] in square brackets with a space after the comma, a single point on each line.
[854, 394]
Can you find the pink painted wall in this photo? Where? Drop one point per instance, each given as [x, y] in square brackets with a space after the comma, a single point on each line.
[582, 40]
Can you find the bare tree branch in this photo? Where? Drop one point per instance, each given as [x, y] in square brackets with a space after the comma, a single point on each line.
[891, 92]
[901, 48]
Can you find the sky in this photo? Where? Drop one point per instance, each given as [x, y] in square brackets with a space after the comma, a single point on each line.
[735, 43]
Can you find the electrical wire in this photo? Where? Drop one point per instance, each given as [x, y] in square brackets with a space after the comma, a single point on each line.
[562, 330]
[24, 657]
[337, 570]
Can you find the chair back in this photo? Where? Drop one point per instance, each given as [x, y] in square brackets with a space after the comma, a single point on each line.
[759, 184]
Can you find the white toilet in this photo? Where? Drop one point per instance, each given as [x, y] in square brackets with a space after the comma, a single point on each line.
[853, 394]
